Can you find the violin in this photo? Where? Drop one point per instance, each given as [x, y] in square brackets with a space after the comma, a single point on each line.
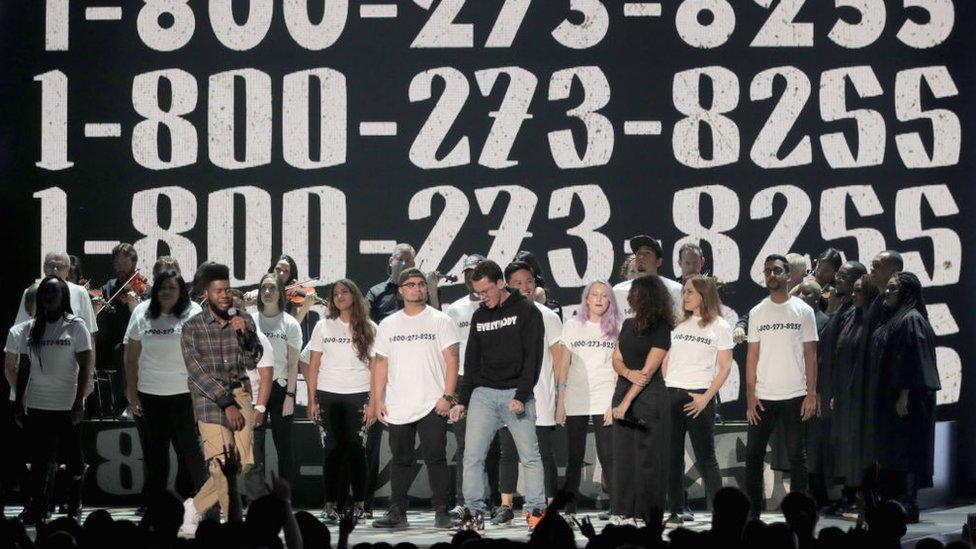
[95, 294]
[297, 294]
[137, 283]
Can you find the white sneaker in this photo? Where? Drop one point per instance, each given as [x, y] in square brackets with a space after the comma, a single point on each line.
[190, 519]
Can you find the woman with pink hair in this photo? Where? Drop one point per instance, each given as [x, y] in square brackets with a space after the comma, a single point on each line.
[586, 380]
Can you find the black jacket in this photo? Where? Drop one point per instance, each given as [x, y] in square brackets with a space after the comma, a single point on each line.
[505, 347]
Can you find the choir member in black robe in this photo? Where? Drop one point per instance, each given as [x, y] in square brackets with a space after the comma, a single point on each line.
[903, 351]
[820, 452]
[851, 398]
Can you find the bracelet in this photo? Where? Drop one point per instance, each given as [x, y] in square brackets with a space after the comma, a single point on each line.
[562, 385]
[451, 399]
[291, 394]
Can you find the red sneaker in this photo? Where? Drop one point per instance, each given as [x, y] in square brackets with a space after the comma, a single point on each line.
[534, 518]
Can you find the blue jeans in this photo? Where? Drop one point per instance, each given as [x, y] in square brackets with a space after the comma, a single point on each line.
[487, 413]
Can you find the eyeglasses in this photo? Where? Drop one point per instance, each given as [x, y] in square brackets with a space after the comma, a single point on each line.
[778, 271]
[412, 285]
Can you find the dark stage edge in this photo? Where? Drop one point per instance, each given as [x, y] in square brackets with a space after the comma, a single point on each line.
[944, 524]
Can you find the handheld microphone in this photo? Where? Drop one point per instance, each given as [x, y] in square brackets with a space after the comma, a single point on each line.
[246, 339]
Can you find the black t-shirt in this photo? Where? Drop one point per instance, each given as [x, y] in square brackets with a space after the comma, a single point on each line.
[634, 348]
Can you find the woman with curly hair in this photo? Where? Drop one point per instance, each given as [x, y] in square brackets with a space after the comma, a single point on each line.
[641, 408]
[338, 379]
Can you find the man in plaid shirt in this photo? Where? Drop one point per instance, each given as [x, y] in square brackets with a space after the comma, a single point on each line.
[218, 350]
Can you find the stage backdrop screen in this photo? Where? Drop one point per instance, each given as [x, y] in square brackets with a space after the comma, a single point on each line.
[329, 130]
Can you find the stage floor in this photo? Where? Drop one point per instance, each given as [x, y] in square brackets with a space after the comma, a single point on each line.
[942, 523]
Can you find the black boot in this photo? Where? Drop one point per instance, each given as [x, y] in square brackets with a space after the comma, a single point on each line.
[395, 519]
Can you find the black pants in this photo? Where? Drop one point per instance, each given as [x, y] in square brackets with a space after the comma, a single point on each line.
[345, 456]
[640, 470]
[785, 416]
[901, 487]
[165, 420]
[374, 438]
[281, 431]
[13, 471]
[432, 430]
[48, 432]
[576, 428]
[701, 430]
[509, 460]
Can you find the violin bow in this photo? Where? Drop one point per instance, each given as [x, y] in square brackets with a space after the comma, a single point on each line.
[117, 292]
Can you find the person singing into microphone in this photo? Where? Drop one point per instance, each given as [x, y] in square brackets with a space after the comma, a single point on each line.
[219, 348]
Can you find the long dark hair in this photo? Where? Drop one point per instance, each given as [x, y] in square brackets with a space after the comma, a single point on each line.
[363, 333]
[651, 302]
[155, 308]
[40, 315]
[292, 267]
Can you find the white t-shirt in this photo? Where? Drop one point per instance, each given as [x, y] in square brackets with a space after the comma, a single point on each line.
[53, 380]
[621, 290]
[162, 370]
[80, 305]
[13, 346]
[460, 312]
[267, 361]
[414, 347]
[340, 370]
[591, 380]
[284, 332]
[143, 306]
[545, 388]
[781, 330]
[694, 350]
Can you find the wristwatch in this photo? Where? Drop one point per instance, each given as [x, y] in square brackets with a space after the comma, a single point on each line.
[260, 408]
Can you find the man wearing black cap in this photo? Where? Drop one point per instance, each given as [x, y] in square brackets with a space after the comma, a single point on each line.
[648, 256]
[219, 348]
[460, 312]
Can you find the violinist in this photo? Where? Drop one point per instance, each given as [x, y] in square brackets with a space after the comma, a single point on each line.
[384, 298]
[285, 334]
[286, 271]
[114, 320]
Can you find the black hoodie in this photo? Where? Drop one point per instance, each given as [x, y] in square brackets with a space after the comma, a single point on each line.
[505, 347]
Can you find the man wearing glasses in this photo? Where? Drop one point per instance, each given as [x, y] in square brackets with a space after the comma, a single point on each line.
[781, 378]
[501, 363]
[412, 390]
[58, 264]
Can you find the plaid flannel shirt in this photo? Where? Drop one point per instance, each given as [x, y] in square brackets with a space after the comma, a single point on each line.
[215, 365]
